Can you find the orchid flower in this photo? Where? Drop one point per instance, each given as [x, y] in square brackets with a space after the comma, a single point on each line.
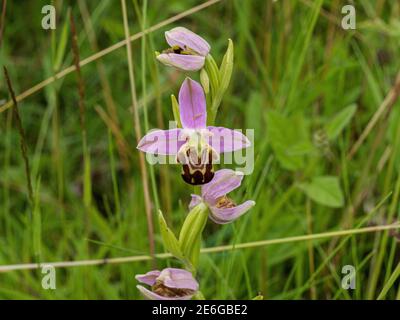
[222, 209]
[195, 146]
[187, 51]
[168, 284]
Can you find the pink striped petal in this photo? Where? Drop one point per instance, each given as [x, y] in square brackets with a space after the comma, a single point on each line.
[192, 105]
[227, 215]
[162, 142]
[227, 140]
[178, 278]
[187, 39]
[148, 278]
[182, 61]
[224, 181]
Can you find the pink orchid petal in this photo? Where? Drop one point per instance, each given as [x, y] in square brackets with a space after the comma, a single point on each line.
[224, 181]
[185, 38]
[148, 278]
[179, 279]
[162, 142]
[154, 296]
[227, 215]
[227, 140]
[182, 61]
[192, 105]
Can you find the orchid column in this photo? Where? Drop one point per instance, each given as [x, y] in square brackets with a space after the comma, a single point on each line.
[196, 145]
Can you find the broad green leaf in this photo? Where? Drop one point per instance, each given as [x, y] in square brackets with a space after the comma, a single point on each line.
[324, 190]
[334, 127]
[289, 138]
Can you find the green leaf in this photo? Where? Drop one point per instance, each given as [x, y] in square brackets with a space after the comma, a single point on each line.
[213, 73]
[219, 79]
[175, 111]
[225, 71]
[224, 76]
[289, 138]
[340, 121]
[324, 190]
[205, 81]
[170, 241]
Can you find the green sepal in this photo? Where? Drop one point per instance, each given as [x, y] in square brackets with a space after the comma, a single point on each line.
[175, 111]
[171, 243]
[190, 235]
[212, 71]
[205, 81]
[219, 80]
[225, 73]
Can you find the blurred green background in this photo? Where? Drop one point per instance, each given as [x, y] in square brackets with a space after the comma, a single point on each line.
[305, 85]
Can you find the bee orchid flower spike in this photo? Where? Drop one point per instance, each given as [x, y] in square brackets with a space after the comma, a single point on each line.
[195, 145]
[187, 50]
[214, 194]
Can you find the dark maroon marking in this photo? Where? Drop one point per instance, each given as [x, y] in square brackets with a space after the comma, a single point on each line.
[198, 173]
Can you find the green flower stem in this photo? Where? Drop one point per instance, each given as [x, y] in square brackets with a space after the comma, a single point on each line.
[197, 190]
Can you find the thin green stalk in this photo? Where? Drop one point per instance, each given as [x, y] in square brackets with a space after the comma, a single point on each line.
[389, 284]
[164, 170]
[37, 224]
[87, 181]
[144, 100]
[23, 141]
[137, 127]
[6, 180]
[114, 177]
